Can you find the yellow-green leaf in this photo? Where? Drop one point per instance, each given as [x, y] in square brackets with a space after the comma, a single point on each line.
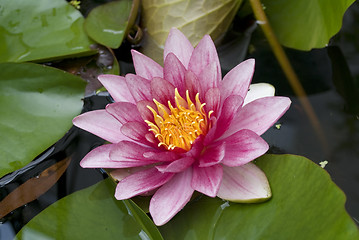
[194, 18]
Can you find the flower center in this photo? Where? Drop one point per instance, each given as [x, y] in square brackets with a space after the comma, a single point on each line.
[179, 126]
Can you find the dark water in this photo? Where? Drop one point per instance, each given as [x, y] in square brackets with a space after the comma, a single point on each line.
[330, 77]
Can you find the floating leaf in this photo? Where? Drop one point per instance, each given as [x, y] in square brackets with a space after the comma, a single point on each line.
[108, 24]
[37, 104]
[305, 204]
[305, 24]
[92, 213]
[194, 18]
[41, 29]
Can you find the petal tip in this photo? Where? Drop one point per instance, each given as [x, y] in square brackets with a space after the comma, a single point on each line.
[74, 120]
[83, 163]
[78, 120]
[134, 52]
[118, 195]
[110, 77]
[265, 196]
[251, 61]
[249, 64]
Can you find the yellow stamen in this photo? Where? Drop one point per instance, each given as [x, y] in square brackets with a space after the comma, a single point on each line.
[179, 126]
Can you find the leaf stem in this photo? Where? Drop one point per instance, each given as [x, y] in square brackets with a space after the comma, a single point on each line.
[287, 69]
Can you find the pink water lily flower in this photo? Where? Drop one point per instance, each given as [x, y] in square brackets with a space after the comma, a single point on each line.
[181, 128]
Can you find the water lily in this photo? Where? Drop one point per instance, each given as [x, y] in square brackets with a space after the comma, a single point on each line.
[181, 128]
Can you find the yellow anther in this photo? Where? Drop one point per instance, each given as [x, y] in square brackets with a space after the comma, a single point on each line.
[180, 102]
[210, 113]
[178, 127]
[162, 109]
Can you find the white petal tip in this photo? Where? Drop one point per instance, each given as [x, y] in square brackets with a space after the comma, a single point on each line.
[251, 61]
[259, 90]
[244, 184]
[265, 197]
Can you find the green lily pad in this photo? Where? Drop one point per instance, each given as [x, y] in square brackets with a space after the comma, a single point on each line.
[41, 29]
[37, 104]
[92, 213]
[194, 18]
[305, 24]
[108, 24]
[305, 204]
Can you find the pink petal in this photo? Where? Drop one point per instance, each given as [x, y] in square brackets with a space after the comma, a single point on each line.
[212, 155]
[245, 184]
[124, 112]
[139, 87]
[229, 110]
[117, 87]
[171, 197]
[176, 166]
[211, 135]
[259, 115]
[243, 147]
[140, 183]
[151, 138]
[102, 124]
[213, 100]
[209, 77]
[99, 158]
[135, 131]
[207, 179]
[259, 90]
[236, 81]
[163, 91]
[145, 113]
[179, 45]
[145, 67]
[193, 85]
[121, 173]
[196, 149]
[174, 72]
[204, 54]
[164, 156]
[130, 154]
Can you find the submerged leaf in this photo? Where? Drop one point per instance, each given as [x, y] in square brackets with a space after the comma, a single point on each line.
[92, 213]
[42, 29]
[194, 18]
[33, 188]
[37, 104]
[306, 204]
[305, 24]
[90, 67]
